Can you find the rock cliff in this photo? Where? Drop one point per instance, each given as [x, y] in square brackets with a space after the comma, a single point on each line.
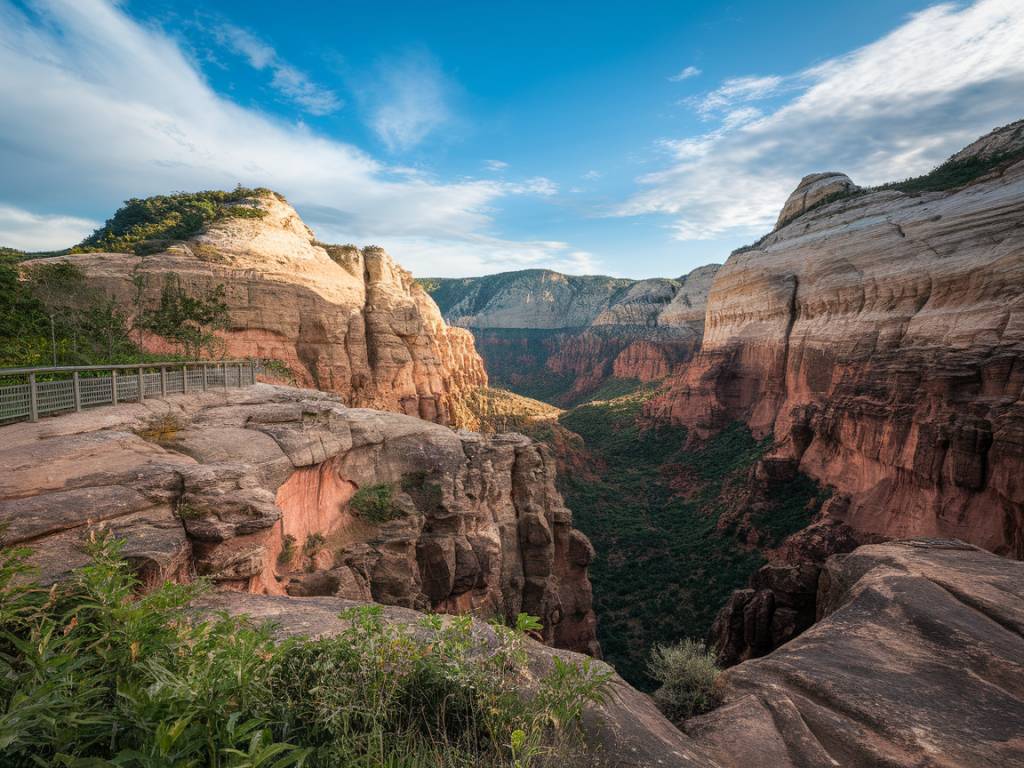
[274, 490]
[345, 320]
[879, 336]
[914, 661]
[557, 337]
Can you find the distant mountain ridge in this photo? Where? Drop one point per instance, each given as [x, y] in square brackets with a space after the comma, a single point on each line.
[557, 337]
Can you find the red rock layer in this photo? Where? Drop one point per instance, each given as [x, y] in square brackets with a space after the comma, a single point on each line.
[881, 340]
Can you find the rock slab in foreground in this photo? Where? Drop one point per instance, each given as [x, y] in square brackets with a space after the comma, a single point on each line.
[917, 661]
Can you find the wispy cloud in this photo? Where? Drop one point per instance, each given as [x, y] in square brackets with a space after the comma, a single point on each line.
[889, 110]
[592, 175]
[97, 108]
[495, 165]
[685, 74]
[406, 99]
[29, 231]
[290, 82]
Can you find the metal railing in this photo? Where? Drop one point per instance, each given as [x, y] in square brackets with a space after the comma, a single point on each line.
[28, 393]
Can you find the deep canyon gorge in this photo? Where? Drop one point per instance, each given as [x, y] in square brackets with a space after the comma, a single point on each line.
[809, 456]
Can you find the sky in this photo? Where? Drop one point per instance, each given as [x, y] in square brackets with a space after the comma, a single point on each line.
[634, 139]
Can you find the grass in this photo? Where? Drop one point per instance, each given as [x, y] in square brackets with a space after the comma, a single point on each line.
[94, 674]
[688, 677]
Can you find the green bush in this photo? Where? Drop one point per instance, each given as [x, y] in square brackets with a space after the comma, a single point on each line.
[688, 676]
[93, 674]
[148, 225]
[375, 503]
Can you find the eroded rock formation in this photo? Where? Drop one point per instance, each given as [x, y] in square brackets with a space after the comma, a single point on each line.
[880, 339]
[346, 320]
[558, 337]
[915, 661]
[253, 489]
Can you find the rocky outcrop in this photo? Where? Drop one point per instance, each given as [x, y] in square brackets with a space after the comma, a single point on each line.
[559, 337]
[814, 190]
[915, 661]
[880, 339]
[346, 320]
[255, 489]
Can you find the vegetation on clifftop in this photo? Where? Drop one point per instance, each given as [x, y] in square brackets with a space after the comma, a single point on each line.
[147, 225]
[93, 674]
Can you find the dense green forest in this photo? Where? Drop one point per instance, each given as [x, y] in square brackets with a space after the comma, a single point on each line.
[661, 516]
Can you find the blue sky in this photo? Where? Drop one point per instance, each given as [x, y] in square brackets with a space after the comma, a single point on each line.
[635, 139]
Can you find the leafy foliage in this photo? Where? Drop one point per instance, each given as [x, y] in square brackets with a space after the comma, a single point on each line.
[186, 319]
[92, 674]
[375, 503]
[688, 676]
[147, 225]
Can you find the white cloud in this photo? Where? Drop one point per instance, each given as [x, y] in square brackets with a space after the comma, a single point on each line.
[97, 108]
[592, 175]
[495, 165]
[406, 100]
[685, 74]
[29, 231]
[287, 80]
[892, 109]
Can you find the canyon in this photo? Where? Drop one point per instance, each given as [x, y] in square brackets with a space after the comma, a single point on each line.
[559, 337]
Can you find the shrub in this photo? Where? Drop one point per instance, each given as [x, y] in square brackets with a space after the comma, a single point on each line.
[91, 673]
[145, 226]
[375, 503]
[688, 675]
[287, 553]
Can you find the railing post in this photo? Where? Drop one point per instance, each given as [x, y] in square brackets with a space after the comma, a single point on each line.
[225, 367]
[238, 367]
[206, 380]
[142, 385]
[33, 398]
[252, 371]
[76, 388]
[113, 386]
[163, 381]
[184, 378]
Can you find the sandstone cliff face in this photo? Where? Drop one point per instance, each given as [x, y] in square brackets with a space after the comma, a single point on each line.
[558, 337]
[253, 489]
[345, 320]
[915, 661]
[881, 339]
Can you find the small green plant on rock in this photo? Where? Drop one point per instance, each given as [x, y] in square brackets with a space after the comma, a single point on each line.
[689, 679]
[375, 503]
[287, 553]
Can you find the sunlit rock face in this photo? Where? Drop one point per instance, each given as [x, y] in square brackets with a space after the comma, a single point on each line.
[254, 489]
[346, 320]
[880, 339]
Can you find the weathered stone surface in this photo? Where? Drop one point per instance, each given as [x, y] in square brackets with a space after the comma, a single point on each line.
[811, 191]
[253, 491]
[345, 320]
[916, 661]
[880, 339]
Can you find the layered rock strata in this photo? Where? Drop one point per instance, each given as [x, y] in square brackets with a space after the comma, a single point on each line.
[345, 320]
[880, 339]
[559, 337]
[915, 661]
[254, 490]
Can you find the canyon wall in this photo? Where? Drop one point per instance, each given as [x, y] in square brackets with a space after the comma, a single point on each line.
[880, 338]
[560, 337]
[345, 320]
[274, 490]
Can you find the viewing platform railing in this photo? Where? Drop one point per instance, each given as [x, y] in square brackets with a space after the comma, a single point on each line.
[28, 393]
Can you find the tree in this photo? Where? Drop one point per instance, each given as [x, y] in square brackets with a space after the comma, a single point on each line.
[186, 320]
